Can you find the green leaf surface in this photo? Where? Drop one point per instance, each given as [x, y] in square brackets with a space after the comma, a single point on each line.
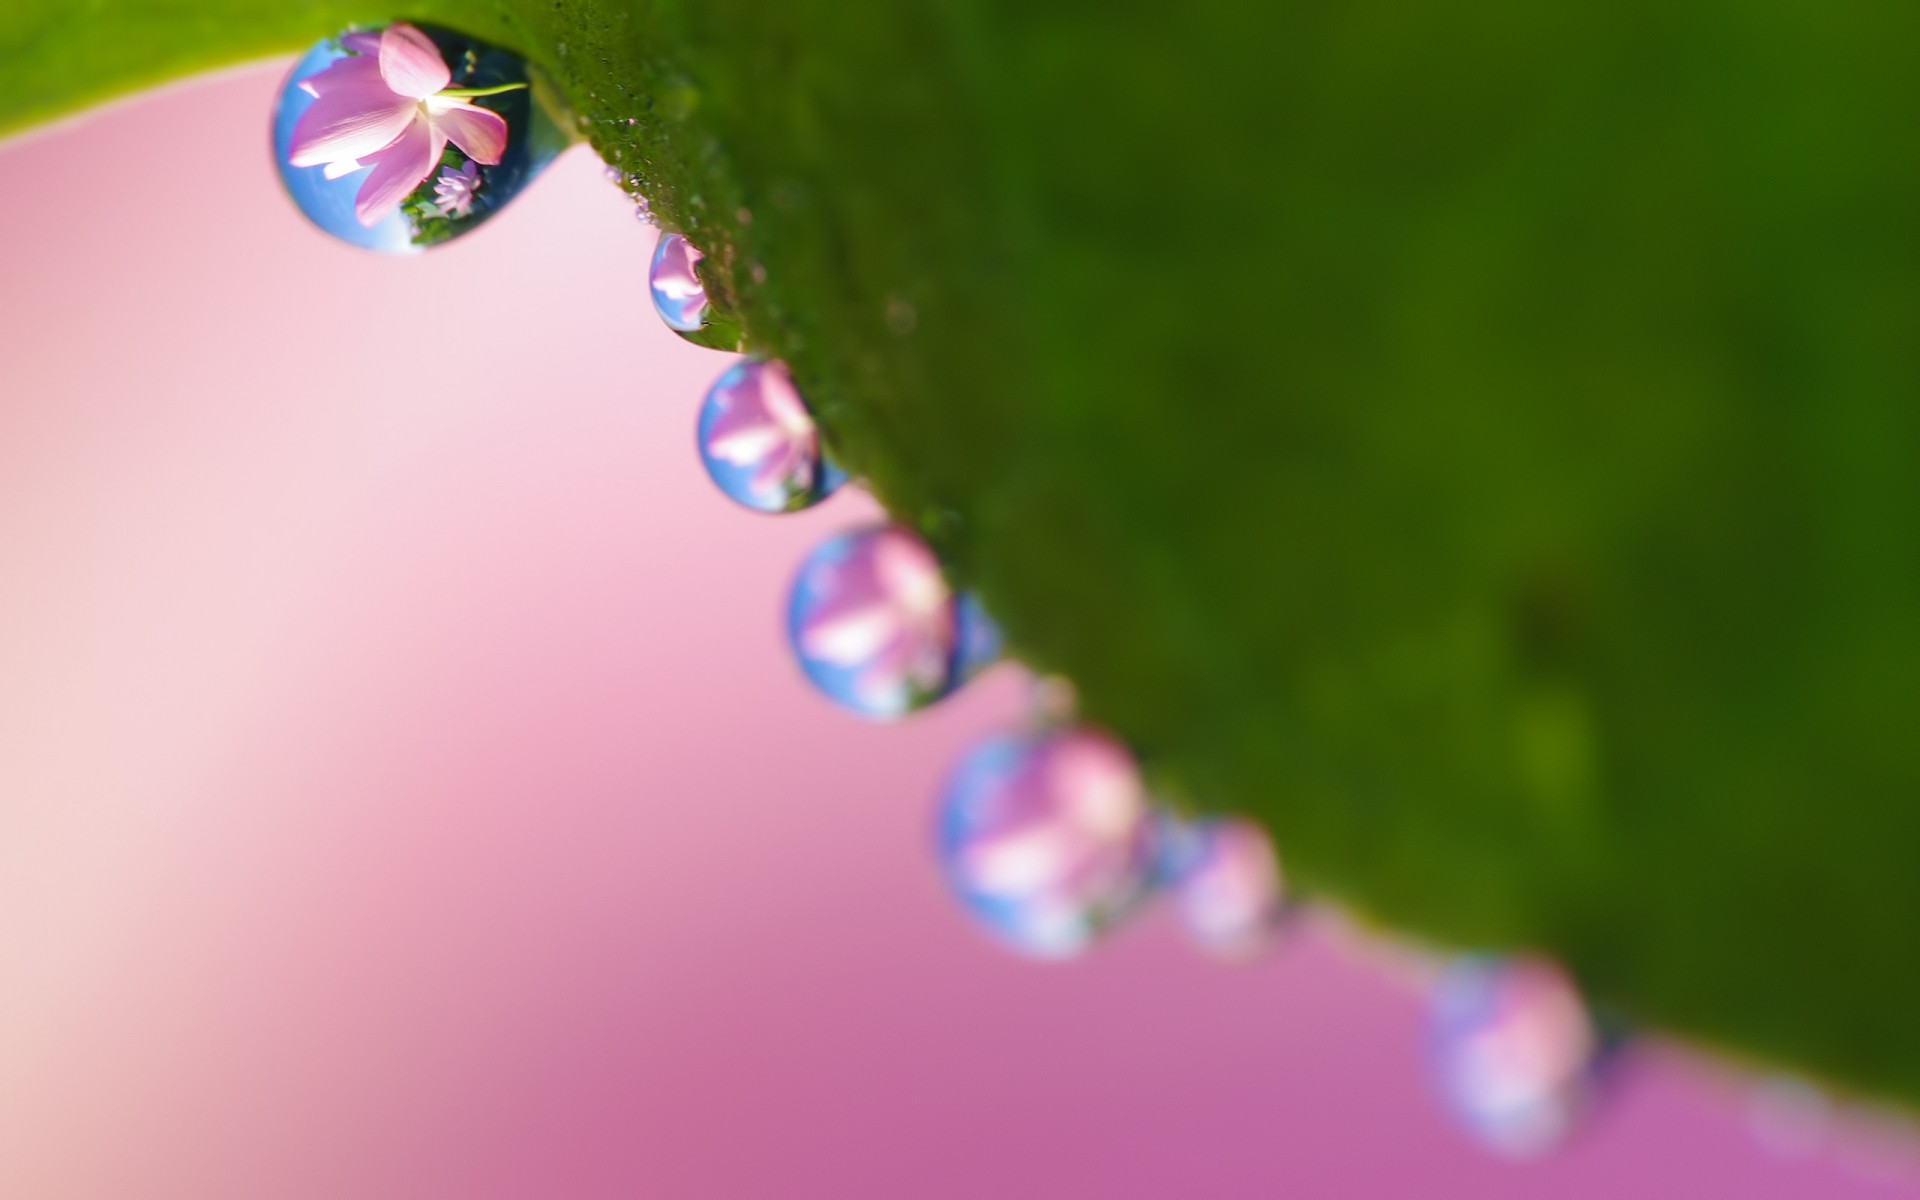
[1479, 438]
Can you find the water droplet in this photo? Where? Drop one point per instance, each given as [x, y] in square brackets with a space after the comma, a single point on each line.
[1790, 1117]
[872, 621]
[678, 295]
[642, 210]
[399, 177]
[1053, 700]
[1224, 880]
[614, 174]
[902, 316]
[760, 444]
[1515, 1052]
[978, 642]
[1046, 838]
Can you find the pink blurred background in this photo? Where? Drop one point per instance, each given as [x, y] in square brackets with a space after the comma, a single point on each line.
[405, 792]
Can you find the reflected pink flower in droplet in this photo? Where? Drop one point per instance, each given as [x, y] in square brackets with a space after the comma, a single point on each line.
[891, 618]
[453, 192]
[765, 427]
[382, 107]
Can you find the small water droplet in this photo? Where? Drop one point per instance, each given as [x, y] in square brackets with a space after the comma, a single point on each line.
[614, 174]
[678, 295]
[1515, 1053]
[1224, 880]
[1790, 1117]
[902, 317]
[632, 121]
[978, 640]
[759, 442]
[1046, 838]
[397, 177]
[1053, 700]
[871, 619]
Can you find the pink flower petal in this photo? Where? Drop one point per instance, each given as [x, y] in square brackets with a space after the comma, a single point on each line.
[344, 74]
[351, 121]
[398, 170]
[480, 132]
[362, 42]
[412, 63]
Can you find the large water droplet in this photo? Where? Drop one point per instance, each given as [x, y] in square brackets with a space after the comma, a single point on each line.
[1515, 1052]
[1224, 879]
[402, 138]
[759, 442]
[678, 295]
[1047, 838]
[871, 619]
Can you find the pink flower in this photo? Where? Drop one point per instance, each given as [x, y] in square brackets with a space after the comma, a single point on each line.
[381, 106]
[453, 191]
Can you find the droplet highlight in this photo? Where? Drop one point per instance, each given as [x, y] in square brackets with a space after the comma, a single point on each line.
[407, 136]
[1046, 839]
[678, 295]
[871, 621]
[1223, 879]
[1515, 1053]
[759, 441]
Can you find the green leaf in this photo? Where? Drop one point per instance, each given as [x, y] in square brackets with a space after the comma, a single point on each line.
[1479, 438]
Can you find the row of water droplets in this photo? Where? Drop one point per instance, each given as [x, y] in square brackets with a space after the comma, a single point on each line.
[1046, 835]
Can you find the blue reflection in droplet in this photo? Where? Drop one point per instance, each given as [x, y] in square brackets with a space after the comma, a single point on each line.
[1515, 1051]
[871, 620]
[1046, 838]
[759, 442]
[978, 641]
[453, 191]
[678, 295]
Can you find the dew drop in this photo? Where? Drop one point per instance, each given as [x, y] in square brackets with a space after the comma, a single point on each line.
[1223, 878]
[759, 442]
[1053, 700]
[381, 189]
[978, 642]
[902, 316]
[1046, 838]
[678, 295]
[1790, 1117]
[1515, 1053]
[872, 621]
